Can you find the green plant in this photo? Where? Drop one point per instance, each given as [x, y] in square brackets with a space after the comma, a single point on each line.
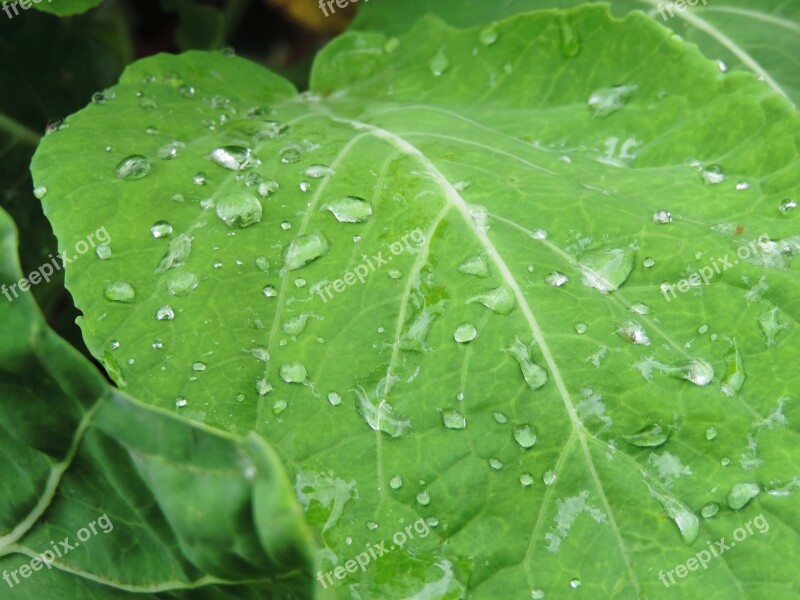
[508, 309]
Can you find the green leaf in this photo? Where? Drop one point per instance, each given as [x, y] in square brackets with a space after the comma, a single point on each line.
[762, 36]
[470, 397]
[145, 501]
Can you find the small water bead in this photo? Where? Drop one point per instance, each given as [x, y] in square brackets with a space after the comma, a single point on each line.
[488, 35]
[199, 178]
[453, 419]
[39, 191]
[556, 279]
[496, 464]
[465, 333]
[290, 156]
[317, 171]
[372, 525]
[349, 209]
[725, 461]
[267, 188]
[279, 407]
[575, 584]
[269, 291]
[640, 308]
[286, 226]
[260, 353]
[103, 251]
[711, 433]
[606, 101]
[539, 234]
[133, 167]
[165, 313]
[161, 229]
[394, 274]
[151, 131]
[54, 125]
[181, 283]
[549, 477]
[396, 482]
[662, 217]
[234, 158]
[581, 328]
[537, 594]
[570, 40]
[475, 265]
[648, 263]
[294, 372]
[157, 345]
[525, 436]
[713, 174]
[710, 510]
[526, 479]
[305, 249]
[120, 291]
[723, 68]
[180, 402]
[114, 344]
[432, 521]
[500, 418]
[786, 206]
[177, 198]
[334, 398]
[741, 494]
[742, 185]
[239, 209]
[651, 436]
[460, 396]
[634, 333]
[240, 397]
[424, 498]
[199, 366]
[187, 91]
[439, 64]
[703, 329]
[263, 387]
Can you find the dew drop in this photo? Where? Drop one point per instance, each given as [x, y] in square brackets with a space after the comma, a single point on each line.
[711, 433]
[439, 64]
[290, 156]
[279, 407]
[534, 375]
[317, 171]
[39, 191]
[607, 269]
[648, 263]
[500, 418]
[570, 41]
[713, 174]
[710, 510]
[785, 207]
[606, 101]
[575, 584]
[488, 35]
[424, 498]
[526, 479]
[349, 209]
[453, 419]
[465, 333]
[496, 464]
[239, 209]
[741, 494]
[103, 251]
[581, 328]
[181, 283]
[396, 482]
[133, 167]
[334, 398]
[180, 402]
[199, 366]
[475, 265]
[500, 300]
[120, 291]
[662, 217]
[234, 158]
[165, 313]
[199, 178]
[269, 291]
[161, 229]
[525, 436]
[556, 279]
[537, 594]
[633, 333]
[549, 477]
[304, 186]
[304, 250]
[651, 436]
[169, 151]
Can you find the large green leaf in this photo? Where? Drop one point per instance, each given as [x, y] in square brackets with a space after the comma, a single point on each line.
[539, 151]
[145, 501]
[761, 36]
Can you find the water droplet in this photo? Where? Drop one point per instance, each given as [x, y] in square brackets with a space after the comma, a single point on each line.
[495, 463]
[334, 398]
[114, 344]
[262, 263]
[556, 279]
[165, 313]
[349, 209]
[733, 379]
[651, 436]
[713, 174]
[607, 269]
[396, 482]
[263, 387]
[377, 412]
[534, 375]
[786, 206]
[770, 326]
[424, 498]
[549, 477]
[488, 35]
[439, 64]
[687, 522]
[199, 366]
[305, 249]
[317, 171]
[741, 494]
[235, 158]
[161, 229]
[575, 584]
[181, 283]
[648, 263]
[103, 251]
[239, 209]
[294, 372]
[742, 185]
[500, 300]
[133, 167]
[703, 329]
[180, 402]
[453, 419]
[170, 150]
[570, 40]
[711, 433]
[119, 291]
[199, 178]
[662, 217]
[372, 525]
[526, 479]
[157, 345]
[475, 265]
[39, 191]
[290, 155]
[537, 594]
[177, 254]
[710, 510]
[465, 333]
[500, 418]
[304, 186]
[279, 407]
[394, 274]
[698, 371]
[525, 435]
[269, 291]
[640, 309]
[267, 188]
[606, 101]
[634, 333]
